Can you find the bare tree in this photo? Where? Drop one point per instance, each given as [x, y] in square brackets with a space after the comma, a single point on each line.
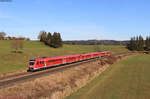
[17, 45]
[2, 35]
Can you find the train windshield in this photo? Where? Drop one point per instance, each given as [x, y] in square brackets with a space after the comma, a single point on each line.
[31, 63]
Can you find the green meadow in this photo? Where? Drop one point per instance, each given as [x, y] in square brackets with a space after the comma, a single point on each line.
[12, 62]
[126, 79]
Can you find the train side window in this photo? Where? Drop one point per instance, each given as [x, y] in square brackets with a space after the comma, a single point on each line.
[41, 62]
[72, 57]
[59, 60]
[54, 60]
[51, 61]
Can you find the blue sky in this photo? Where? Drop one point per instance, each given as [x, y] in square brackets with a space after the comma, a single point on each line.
[76, 19]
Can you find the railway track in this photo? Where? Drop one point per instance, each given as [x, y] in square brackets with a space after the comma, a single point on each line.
[28, 76]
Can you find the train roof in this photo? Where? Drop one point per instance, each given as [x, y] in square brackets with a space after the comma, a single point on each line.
[66, 56]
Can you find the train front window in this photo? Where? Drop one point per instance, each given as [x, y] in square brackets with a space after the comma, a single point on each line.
[31, 63]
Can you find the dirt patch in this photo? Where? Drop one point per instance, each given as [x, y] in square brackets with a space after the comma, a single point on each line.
[61, 84]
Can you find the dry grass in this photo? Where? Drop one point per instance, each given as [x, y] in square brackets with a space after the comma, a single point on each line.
[11, 73]
[58, 85]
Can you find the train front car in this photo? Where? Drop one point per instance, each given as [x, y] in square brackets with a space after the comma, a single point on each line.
[32, 63]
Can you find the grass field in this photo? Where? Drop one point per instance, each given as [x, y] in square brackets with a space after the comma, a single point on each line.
[126, 79]
[11, 62]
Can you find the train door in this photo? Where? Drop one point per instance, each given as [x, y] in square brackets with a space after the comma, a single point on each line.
[41, 64]
[64, 61]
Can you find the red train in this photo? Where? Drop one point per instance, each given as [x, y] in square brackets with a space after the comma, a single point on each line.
[46, 62]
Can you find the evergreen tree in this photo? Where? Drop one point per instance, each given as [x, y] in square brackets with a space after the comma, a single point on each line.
[136, 43]
[140, 43]
[49, 39]
[147, 43]
[56, 40]
[130, 46]
[59, 40]
[42, 36]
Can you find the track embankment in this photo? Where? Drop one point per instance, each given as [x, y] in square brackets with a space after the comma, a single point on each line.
[55, 83]
[10, 80]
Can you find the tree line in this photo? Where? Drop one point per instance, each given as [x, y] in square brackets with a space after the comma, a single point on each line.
[139, 44]
[52, 40]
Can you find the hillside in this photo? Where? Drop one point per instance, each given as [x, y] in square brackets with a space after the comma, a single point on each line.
[126, 79]
[96, 42]
[11, 62]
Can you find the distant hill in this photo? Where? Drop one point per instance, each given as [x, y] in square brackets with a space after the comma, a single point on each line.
[96, 42]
